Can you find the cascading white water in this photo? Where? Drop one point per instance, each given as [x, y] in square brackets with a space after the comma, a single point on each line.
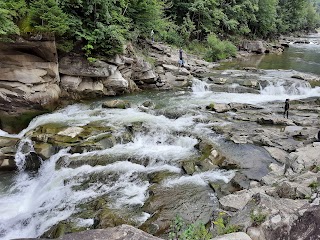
[199, 86]
[301, 88]
[35, 202]
[233, 87]
[25, 146]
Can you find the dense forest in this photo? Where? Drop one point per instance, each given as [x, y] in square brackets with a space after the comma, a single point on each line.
[101, 27]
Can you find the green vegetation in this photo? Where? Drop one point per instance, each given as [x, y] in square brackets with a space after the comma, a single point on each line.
[223, 226]
[314, 185]
[181, 231]
[257, 217]
[100, 28]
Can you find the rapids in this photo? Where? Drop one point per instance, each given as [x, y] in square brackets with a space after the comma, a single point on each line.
[34, 202]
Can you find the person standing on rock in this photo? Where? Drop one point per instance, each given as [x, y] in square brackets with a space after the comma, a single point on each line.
[181, 61]
[151, 34]
[286, 108]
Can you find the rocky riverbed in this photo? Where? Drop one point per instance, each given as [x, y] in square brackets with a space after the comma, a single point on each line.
[217, 143]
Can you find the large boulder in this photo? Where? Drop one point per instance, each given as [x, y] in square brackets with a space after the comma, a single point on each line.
[194, 203]
[253, 46]
[116, 83]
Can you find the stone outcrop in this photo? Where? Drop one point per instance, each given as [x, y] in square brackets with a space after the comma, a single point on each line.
[193, 203]
[253, 46]
[29, 76]
[122, 232]
[7, 153]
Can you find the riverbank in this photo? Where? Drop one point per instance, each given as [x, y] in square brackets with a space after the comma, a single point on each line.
[36, 80]
[216, 143]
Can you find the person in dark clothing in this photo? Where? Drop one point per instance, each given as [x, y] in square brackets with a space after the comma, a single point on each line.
[181, 61]
[286, 108]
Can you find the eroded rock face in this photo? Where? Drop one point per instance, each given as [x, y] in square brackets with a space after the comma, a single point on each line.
[29, 76]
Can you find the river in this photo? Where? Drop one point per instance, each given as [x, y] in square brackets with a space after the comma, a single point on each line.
[31, 202]
[299, 57]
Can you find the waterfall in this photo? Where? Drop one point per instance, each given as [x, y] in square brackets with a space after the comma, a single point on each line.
[199, 86]
[37, 201]
[232, 88]
[25, 147]
[302, 88]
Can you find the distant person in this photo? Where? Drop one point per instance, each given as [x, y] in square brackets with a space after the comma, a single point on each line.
[152, 35]
[181, 61]
[286, 108]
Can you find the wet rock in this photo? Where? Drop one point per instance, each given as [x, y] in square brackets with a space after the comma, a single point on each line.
[33, 162]
[108, 218]
[116, 104]
[219, 80]
[50, 138]
[194, 203]
[149, 104]
[220, 107]
[44, 150]
[158, 177]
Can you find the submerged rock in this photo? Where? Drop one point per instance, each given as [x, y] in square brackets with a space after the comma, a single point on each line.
[116, 104]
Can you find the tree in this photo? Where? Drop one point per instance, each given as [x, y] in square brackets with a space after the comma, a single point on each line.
[266, 18]
[47, 17]
[10, 11]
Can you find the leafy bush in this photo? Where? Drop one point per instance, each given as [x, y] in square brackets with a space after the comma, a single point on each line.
[218, 49]
[223, 226]
[181, 231]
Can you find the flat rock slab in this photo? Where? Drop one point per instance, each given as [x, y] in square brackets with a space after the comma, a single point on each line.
[192, 202]
[123, 232]
[233, 236]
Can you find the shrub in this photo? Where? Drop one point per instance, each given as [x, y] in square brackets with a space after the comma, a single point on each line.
[257, 217]
[181, 231]
[223, 226]
[218, 50]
